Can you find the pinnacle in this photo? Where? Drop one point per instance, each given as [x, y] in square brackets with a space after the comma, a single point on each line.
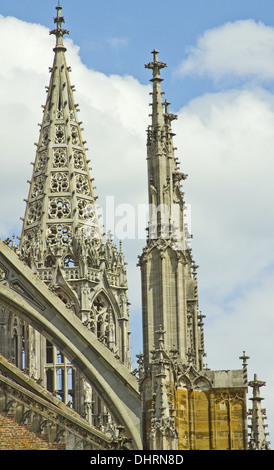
[257, 414]
[157, 104]
[156, 65]
[59, 32]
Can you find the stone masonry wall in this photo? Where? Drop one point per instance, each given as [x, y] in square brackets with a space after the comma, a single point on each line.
[16, 437]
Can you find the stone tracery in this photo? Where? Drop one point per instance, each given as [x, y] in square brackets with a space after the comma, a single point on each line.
[59, 208]
[59, 182]
[59, 158]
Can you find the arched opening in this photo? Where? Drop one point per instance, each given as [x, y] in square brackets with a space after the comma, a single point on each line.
[103, 322]
[49, 262]
[69, 262]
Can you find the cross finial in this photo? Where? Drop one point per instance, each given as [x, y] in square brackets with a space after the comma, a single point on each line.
[244, 358]
[59, 31]
[156, 65]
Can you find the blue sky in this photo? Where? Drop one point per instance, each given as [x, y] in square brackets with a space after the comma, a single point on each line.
[220, 77]
[116, 36]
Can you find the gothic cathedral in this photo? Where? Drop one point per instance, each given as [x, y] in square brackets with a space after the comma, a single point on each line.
[80, 392]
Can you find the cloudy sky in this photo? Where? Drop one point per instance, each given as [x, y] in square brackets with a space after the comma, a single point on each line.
[219, 81]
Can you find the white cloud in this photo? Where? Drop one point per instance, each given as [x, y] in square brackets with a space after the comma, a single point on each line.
[228, 141]
[243, 48]
[117, 43]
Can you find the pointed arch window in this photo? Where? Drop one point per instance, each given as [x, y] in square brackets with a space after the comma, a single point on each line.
[102, 322]
[60, 375]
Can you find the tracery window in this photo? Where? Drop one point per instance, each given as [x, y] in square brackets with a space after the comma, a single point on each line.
[59, 233]
[102, 322]
[82, 184]
[45, 137]
[59, 158]
[59, 182]
[82, 208]
[75, 135]
[60, 375]
[59, 134]
[34, 212]
[78, 159]
[38, 186]
[41, 162]
[59, 208]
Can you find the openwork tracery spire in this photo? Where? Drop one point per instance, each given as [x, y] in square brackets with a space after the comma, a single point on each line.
[61, 204]
[62, 238]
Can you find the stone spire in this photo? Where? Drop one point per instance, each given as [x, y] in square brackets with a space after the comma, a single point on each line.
[166, 263]
[61, 202]
[62, 239]
[258, 435]
[163, 170]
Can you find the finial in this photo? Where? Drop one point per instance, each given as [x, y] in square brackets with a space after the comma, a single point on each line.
[256, 384]
[156, 65]
[166, 104]
[244, 357]
[155, 55]
[59, 31]
[157, 104]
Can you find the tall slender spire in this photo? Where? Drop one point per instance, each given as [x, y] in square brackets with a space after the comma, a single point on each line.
[163, 169]
[167, 257]
[62, 239]
[61, 201]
